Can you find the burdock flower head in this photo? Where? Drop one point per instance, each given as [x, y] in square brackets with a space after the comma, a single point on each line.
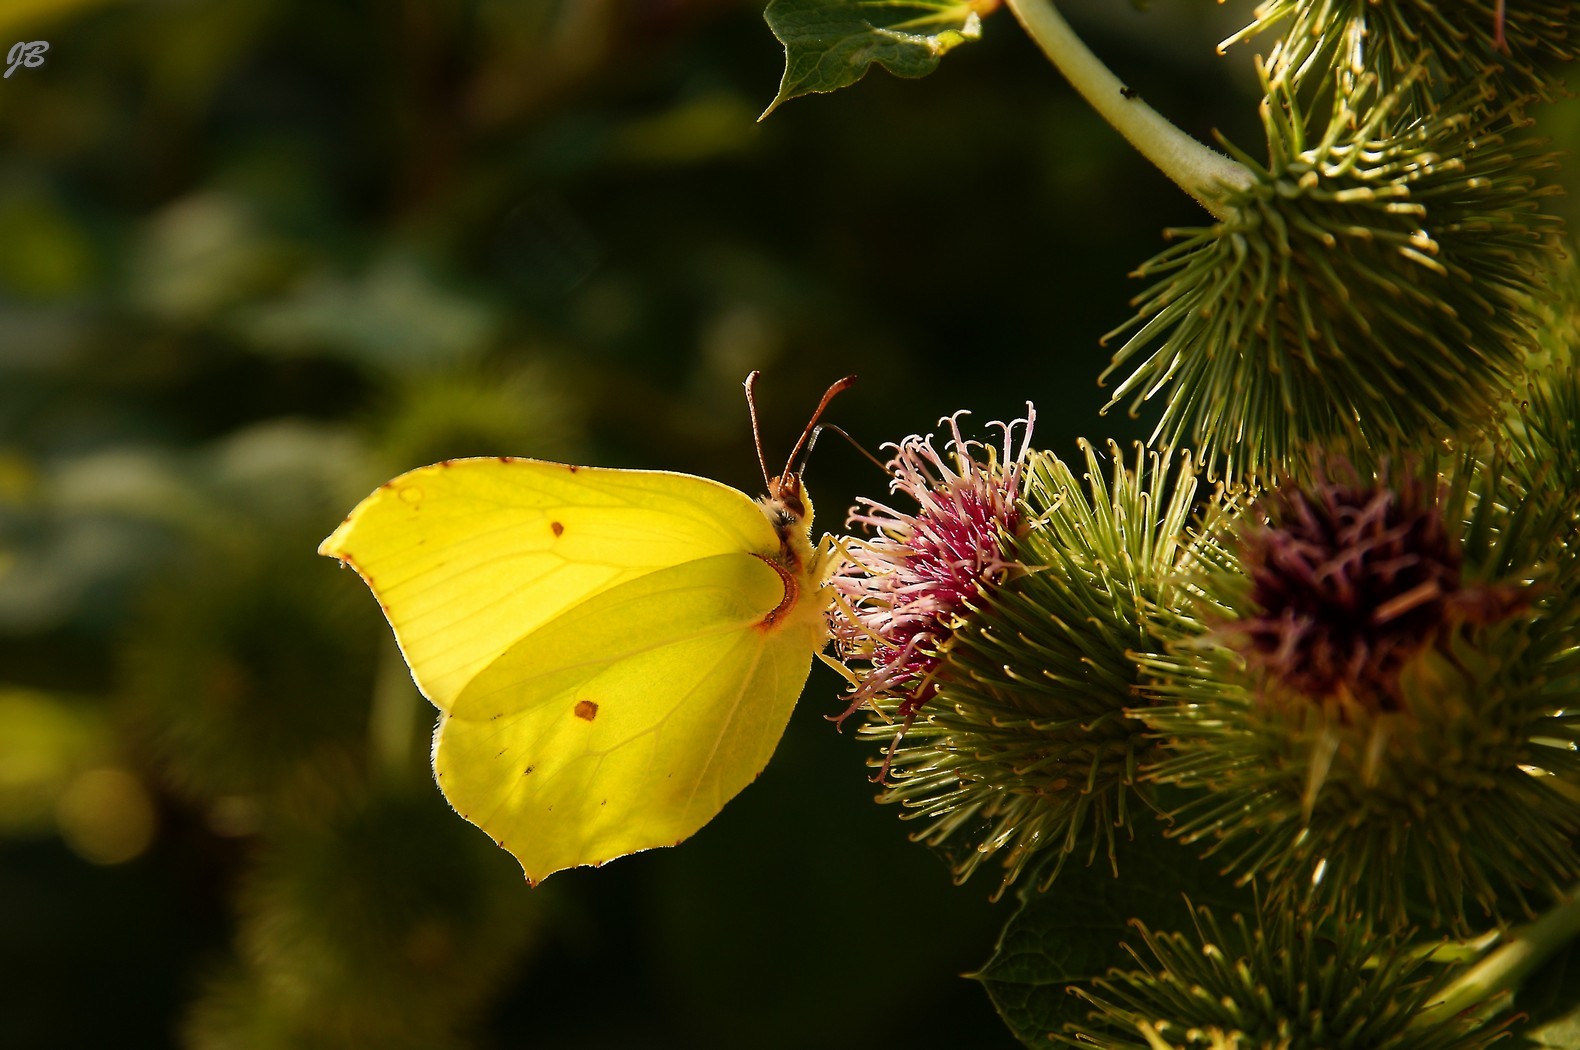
[994, 630]
[904, 588]
[1374, 703]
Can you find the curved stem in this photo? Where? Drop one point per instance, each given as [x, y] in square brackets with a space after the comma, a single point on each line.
[1505, 968]
[1197, 169]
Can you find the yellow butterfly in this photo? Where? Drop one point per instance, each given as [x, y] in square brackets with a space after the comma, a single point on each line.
[614, 653]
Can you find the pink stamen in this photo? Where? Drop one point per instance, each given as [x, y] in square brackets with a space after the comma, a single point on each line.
[906, 587]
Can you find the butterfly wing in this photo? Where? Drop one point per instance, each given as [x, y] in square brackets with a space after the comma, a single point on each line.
[628, 721]
[468, 556]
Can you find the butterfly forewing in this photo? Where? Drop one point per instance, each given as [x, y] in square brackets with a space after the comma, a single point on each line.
[468, 556]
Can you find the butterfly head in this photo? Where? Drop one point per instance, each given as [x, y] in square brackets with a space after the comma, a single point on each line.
[787, 505]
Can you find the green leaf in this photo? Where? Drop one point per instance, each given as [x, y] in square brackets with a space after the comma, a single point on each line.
[830, 43]
[1074, 932]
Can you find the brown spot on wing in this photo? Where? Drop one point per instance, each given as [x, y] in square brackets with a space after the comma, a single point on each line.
[586, 710]
[559, 529]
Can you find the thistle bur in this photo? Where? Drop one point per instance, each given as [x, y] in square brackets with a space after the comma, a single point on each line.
[1289, 981]
[1513, 43]
[1025, 751]
[1369, 283]
[1375, 708]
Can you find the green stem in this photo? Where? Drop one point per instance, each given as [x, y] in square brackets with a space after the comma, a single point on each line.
[1198, 170]
[1505, 968]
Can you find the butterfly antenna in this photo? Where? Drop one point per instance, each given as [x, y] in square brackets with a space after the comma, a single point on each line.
[757, 433]
[858, 446]
[810, 432]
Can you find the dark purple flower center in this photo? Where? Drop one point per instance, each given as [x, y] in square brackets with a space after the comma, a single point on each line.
[1349, 582]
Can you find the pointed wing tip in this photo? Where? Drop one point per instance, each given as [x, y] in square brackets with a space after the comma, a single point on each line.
[534, 878]
[536, 875]
[334, 544]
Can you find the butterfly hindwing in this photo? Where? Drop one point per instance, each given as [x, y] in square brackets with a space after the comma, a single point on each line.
[630, 720]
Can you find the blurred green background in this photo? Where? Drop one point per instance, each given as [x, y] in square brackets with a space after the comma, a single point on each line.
[256, 257]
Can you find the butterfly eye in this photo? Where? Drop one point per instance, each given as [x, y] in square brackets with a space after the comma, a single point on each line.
[785, 493]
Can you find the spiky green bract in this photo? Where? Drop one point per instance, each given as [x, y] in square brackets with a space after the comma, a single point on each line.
[1459, 787]
[1291, 983]
[1369, 284]
[1026, 752]
[1542, 429]
[1544, 435]
[1514, 44]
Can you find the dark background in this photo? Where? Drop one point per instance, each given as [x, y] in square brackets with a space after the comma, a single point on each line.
[256, 257]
